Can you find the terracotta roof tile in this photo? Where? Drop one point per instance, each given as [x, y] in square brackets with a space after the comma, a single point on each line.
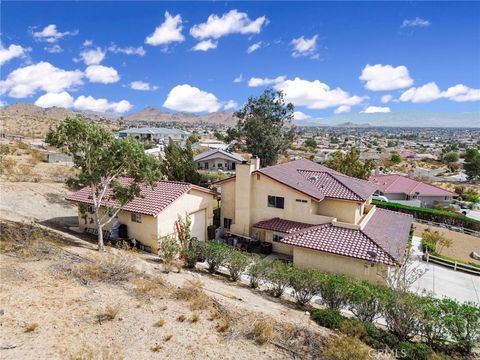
[399, 184]
[281, 225]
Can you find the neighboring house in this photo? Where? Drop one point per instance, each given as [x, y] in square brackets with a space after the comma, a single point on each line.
[153, 134]
[152, 215]
[321, 218]
[218, 159]
[402, 188]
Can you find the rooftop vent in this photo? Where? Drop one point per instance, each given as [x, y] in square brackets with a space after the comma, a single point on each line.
[313, 178]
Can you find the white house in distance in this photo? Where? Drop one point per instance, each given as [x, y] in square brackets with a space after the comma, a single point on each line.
[218, 159]
[153, 134]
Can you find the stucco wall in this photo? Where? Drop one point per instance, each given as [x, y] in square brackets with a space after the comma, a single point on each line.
[344, 211]
[228, 201]
[330, 263]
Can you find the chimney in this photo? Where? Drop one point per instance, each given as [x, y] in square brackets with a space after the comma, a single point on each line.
[255, 161]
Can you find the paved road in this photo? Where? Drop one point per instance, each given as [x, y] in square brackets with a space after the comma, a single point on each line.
[441, 281]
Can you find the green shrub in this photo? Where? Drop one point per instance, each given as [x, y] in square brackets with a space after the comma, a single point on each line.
[277, 277]
[432, 325]
[364, 300]
[215, 255]
[378, 338]
[334, 290]
[257, 270]
[347, 348]
[352, 327]
[236, 263]
[414, 351]
[328, 318]
[193, 253]
[168, 250]
[305, 284]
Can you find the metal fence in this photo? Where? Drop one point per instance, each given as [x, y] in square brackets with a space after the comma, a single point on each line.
[450, 227]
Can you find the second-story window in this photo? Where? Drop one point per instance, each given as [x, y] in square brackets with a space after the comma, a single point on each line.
[276, 202]
[136, 218]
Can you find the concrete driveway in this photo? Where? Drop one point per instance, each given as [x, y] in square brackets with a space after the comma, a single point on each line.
[441, 281]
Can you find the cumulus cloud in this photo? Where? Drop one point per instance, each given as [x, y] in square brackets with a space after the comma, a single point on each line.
[238, 79]
[101, 105]
[191, 99]
[376, 109]
[298, 115]
[53, 49]
[142, 86]
[386, 98]
[305, 47]
[26, 81]
[256, 82]
[230, 105]
[317, 95]
[62, 99]
[254, 47]
[430, 92]
[417, 22]
[233, 22]
[343, 109]
[93, 56]
[205, 45]
[12, 52]
[102, 74]
[51, 34]
[385, 77]
[128, 50]
[168, 32]
[3, 103]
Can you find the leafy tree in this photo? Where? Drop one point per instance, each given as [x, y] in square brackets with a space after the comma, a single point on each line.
[262, 122]
[364, 300]
[218, 135]
[311, 143]
[277, 277]
[395, 158]
[192, 139]
[435, 240]
[101, 160]
[350, 164]
[432, 325]
[305, 284]
[179, 165]
[215, 254]
[232, 134]
[334, 290]
[472, 164]
[450, 157]
[236, 263]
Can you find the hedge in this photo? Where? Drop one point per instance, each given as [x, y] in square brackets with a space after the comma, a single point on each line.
[439, 216]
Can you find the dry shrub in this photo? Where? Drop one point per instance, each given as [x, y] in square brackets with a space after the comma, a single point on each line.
[192, 291]
[347, 348]
[148, 286]
[25, 169]
[195, 318]
[167, 337]
[262, 331]
[95, 352]
[160, 323]
[105, 268]
[182, 318]
[109, 313]
[156, 348]
[8, 166]
[223, 325]
[31, 327]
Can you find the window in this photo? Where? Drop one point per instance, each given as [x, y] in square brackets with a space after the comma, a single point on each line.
[220, 165]
[90, 209]
[227, 223]
[206, 166]
[276, 202]
[277, 237]
[301, 201]
[136, 218]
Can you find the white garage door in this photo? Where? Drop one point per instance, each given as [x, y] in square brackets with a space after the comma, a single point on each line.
[198, 226]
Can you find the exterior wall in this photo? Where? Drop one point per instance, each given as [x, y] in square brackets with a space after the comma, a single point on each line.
[277, 247]
[393, 196]
[213, 163]
[228, 201]
[330, 263]
[344, 211]
[430, 201]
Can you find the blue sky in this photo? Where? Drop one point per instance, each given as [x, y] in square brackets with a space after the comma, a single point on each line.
[328, 57]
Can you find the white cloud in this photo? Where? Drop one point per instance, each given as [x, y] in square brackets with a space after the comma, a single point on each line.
[256, 82]
[25, 81]
[51, 34]
[316, 95]
[386, 98]
[128, 50]
[12, 52]
[298, 115]
[230, 105]
[3, 103]
[102, 74]
[305, 47]
[233, 22]
[343, 109]
[191, 99]
[254, 47]
[205, 45]
[102, 105]
[63, 99]
[238, 79]
[430, 92]
[376, 109]
[53, 49]
[87, 43]
[417, 22]
[142, 86]
[385, 77]
[92, 56]
[168, 32]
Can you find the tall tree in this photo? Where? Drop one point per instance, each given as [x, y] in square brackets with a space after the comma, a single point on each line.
[472, 164]
[263, 123]
[101, 160]
[178, 164]
[350, 164]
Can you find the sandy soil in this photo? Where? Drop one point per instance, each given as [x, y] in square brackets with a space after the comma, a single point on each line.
[462, 246]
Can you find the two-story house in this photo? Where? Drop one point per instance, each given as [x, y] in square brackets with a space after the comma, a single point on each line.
[321, 218]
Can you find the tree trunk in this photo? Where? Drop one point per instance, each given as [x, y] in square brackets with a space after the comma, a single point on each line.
[100, 238]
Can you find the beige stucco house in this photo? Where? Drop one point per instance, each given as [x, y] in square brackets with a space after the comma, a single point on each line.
[217, 159]
[320, 218]
[152, 215]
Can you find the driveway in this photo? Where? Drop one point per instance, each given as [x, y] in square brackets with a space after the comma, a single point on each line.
[442, 281]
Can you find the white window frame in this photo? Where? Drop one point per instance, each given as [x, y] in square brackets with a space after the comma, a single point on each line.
[136, 218]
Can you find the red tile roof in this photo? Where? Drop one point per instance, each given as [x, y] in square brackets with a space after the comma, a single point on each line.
[399, 184]
[281, 225]
[386, 235]
[318, 181]
[152, 200]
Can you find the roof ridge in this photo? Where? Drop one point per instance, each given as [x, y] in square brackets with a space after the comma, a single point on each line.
[334, 176]
[378, 245]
